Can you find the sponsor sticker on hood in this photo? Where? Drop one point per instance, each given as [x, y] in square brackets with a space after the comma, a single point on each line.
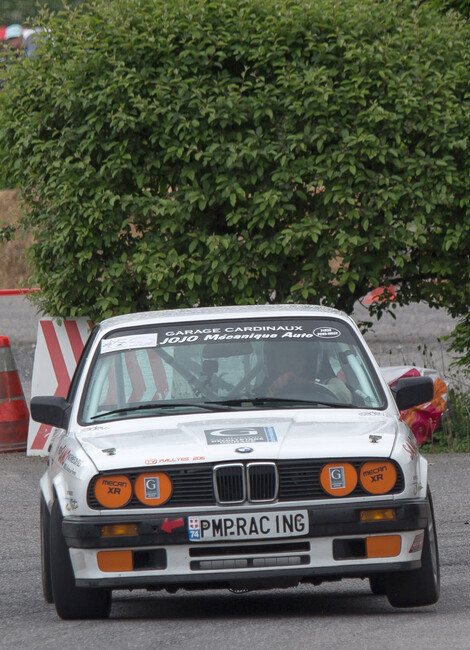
[236, 436]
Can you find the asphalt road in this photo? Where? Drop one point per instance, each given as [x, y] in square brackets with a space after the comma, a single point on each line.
[336, 615]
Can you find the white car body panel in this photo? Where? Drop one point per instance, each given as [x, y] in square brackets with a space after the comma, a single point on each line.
[183, 441]
[298, 436]
[320, 557]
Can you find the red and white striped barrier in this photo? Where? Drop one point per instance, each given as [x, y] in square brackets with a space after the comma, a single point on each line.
[58, 348]
[18, 292]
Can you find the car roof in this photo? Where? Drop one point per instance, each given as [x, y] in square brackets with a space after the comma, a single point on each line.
[195, 314]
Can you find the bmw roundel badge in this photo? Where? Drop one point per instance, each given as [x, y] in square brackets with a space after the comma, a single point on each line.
[244, 450]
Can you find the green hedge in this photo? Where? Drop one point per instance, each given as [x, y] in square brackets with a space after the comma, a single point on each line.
[25, 11]
[197, 152]
[462, 6]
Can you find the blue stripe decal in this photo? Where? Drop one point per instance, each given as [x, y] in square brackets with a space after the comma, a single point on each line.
[270, 434]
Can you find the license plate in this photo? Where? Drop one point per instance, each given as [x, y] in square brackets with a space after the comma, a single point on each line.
[260, 525]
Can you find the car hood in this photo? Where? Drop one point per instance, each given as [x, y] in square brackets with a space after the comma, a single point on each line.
[186, 439]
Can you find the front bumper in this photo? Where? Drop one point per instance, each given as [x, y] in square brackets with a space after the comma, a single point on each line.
[338, 543]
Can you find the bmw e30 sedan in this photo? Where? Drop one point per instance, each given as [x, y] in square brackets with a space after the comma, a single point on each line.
[234, 447]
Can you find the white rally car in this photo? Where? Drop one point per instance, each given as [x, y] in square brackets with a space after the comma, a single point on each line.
[239, 448]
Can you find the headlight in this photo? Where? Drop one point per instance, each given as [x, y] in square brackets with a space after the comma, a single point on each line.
[113, 491]
[121, 490]
[338, 479]
[378, 477]
[153, 489]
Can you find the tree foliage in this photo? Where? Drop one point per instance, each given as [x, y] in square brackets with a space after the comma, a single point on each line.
[174, 153]
[463, 6]
[25, 11]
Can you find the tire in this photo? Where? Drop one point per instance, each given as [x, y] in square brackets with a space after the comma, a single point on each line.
[72, 602]
[45, 526]
[419, 587]
[378, 584]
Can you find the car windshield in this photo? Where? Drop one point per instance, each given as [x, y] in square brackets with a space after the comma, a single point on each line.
[230, 365]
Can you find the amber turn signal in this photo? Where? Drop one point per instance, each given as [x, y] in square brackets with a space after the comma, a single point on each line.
[378, 514]
[119, 530]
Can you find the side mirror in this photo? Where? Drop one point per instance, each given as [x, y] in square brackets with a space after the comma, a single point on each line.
[412, 391]
[51, 410]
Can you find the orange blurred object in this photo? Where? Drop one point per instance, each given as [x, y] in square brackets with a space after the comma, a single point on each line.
[14, 414]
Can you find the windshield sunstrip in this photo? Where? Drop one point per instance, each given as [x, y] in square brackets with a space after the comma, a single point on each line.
[318, 362]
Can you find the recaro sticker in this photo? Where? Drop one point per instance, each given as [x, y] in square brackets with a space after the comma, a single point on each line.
[326, 333]
[240, 436]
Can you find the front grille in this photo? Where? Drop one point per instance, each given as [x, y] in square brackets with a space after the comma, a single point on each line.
[235, 483]
[229, 483]
[262, 482]
[300, 477]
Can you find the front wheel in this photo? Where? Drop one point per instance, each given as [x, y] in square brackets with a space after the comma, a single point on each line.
[45, 525]
[72, 602]
[419, 587]
[378, 584]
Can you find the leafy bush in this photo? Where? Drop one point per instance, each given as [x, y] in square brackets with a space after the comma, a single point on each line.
[462, 6]
[174, 153]
[24, 11]
[4, 183]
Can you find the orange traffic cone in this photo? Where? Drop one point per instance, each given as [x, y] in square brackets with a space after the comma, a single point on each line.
[14, 414]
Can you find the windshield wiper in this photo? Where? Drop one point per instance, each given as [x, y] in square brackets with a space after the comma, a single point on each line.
[293, 400]
[283, 400]
[207, 406]
[224, 405]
